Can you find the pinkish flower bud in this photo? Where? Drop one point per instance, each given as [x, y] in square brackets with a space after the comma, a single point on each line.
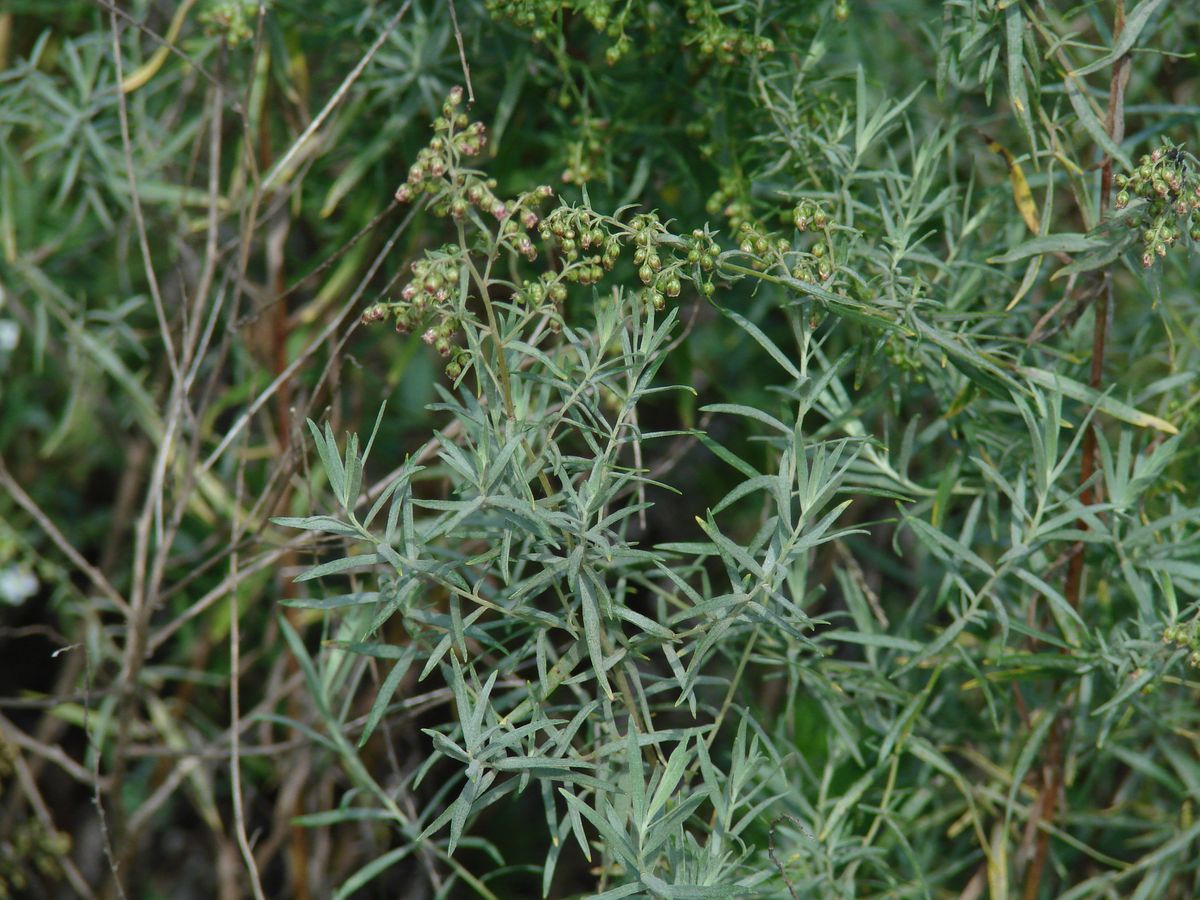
[429, 336]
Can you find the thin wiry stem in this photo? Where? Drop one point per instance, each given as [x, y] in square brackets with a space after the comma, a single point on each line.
[94, 575]
[235, 678]
[281, 167]
[462, 53]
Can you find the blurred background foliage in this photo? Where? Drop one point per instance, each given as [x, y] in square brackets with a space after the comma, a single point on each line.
[218, 202]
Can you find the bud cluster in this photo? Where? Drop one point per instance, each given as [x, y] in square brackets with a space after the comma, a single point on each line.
[232, 20]
[702, 253]
[438, 169]
[648, 233]
[753, 240]
[546, 289]
[1184, 636]
[904, 355]
[1167, 180]
[730, 200]
[591, 245]
[767, 250]
[808, 214]
[711, 31]
[816, 264]
[514, 234]
[716, 38]
[522, 13]
[429, 301]
[542, 19]
[33, 854]
[585, 154]
[587, 247]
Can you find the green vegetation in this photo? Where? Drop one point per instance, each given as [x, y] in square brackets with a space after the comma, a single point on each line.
[564, 448]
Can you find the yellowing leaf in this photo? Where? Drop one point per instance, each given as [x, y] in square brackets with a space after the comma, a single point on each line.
[1068, 387]
[1022, 195]
[150, 68]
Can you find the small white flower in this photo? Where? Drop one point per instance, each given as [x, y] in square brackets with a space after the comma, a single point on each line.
[17, 584]
[10, 333]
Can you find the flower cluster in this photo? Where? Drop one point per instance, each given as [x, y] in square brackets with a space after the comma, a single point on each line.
[809, 214]
[905, 355]
[429, 302]
[548, 288]
[664, 278]
[585, 154]
[702, 254]
[765, 248]
[1166, 179]
[716, 38]
[817, 263]
[32, 855]
[436, 301]
[437, 170]
[1184, 636]
[576, 232]
[232, 20]
[543, 17]
[731, 201]
[591, 245]
[515, 233]
[711, 31]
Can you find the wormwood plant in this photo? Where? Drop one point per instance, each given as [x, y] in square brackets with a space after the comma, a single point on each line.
[580, 661]
[567, 647]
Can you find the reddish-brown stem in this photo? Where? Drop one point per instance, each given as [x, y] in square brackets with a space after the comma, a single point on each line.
[1053, 767]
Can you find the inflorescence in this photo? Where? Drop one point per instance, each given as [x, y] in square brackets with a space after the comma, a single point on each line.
[1167, 180]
